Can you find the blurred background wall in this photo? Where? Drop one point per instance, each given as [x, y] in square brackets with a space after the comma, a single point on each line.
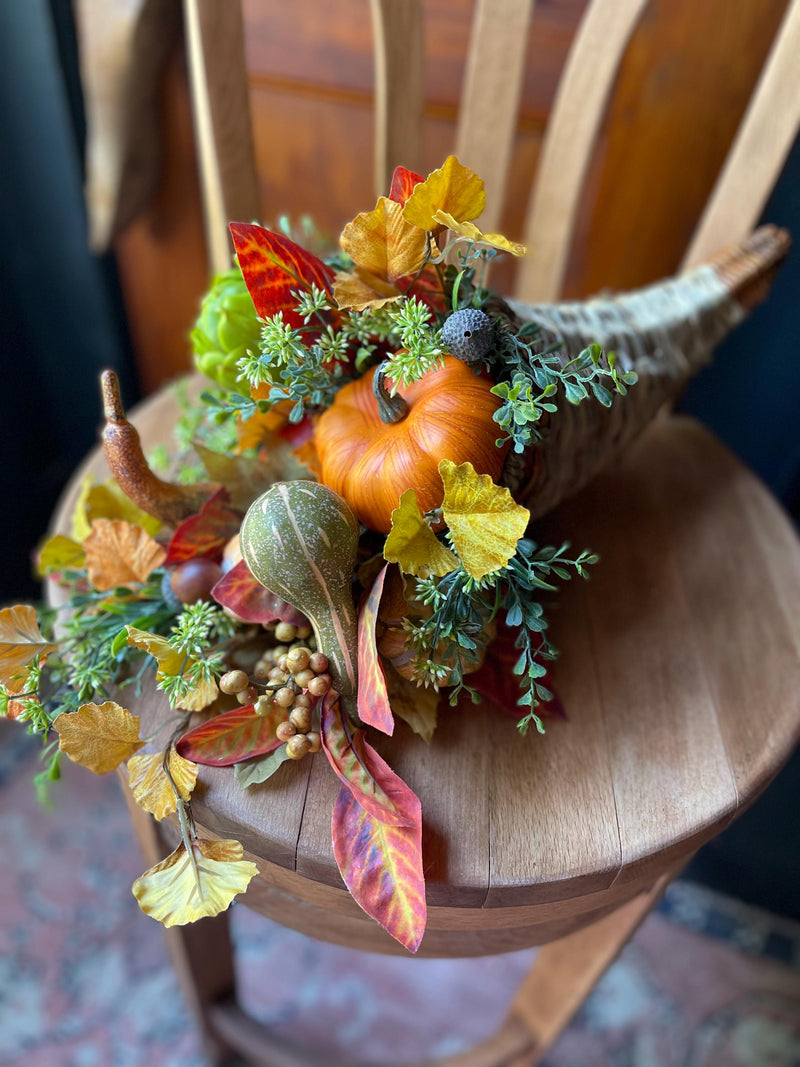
[66, 312]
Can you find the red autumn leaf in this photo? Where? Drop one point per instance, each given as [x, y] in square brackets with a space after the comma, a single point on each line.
[382, 867]
[372, 781]
[245, 596]
[232, 736]
[373, 699]
[403, 182]
[205, 534]
[497, 683]
[273, 266]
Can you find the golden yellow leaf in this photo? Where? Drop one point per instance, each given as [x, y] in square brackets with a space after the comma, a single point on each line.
[60, 553]
[360, 290]
[453, 188]
[98, 736]
[20, 640]
[118, 553]
[170, 661]
[484, 519]
[471, 231]
[415, 704]
[413, 544]
[107, 501]
[381, 242]
[187, 886]
[151, 787]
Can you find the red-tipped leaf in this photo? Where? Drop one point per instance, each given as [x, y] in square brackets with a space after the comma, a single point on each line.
[246, 597]
[206, 533]
[371, 780]
[232, 736]
[373, 699]
[382, 867]
[273, 266]
[403, 182]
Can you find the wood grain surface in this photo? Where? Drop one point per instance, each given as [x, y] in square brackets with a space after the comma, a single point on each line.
[679, 672]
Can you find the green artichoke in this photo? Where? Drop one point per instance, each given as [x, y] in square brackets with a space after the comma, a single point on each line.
[226, 328]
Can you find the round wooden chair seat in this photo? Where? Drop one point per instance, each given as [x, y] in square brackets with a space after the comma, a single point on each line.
[679, 673]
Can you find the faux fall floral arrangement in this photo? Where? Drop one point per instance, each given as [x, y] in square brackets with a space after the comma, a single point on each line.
[342, 542]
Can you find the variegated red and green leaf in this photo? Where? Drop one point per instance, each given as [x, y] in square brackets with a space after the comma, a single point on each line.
[273, 266]
[373, 699]
[382, 867]
[372, 781]
[206, 533]
[403, 182]
[245, 596]
[232, 736]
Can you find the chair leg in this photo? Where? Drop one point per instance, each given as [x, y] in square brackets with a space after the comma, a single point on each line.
[201, 953]
[565, 972]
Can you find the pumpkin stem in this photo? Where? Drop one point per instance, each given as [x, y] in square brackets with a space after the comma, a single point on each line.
[390, 408]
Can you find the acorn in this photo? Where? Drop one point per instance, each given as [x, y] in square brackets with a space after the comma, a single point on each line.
[469, 334]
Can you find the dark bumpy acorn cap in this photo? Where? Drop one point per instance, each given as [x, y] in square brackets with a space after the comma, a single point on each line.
[468, 334]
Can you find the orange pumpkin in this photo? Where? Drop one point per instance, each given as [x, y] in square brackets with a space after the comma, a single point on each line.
[371, 462]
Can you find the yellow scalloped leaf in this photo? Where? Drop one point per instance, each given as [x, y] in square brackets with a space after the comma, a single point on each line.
[20, 640]
[119, 553]
[107, 501]
[453, 188]
[59, 553]
[381, 242]
[151, 787]
[472, 233]
[98, 736]
[170, 661]
[188, 886]
[484, 519]
[413, 544]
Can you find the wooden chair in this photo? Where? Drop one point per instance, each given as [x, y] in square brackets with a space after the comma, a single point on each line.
[680, 659]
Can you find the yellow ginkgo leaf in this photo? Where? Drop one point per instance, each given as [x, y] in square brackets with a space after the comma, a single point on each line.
[98, 736]
[118, 553]
[383, 243]
[60, 553]
[20, 640]
[170, 661]
[453, 188]
[151, 787]
[107, 501]
[361, 290]
[413, 544]
[188, 886]
[472, 233]
[484, 519]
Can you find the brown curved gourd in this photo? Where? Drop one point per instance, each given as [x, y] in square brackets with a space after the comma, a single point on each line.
[169, 503]
[300, 539]
[665, 333]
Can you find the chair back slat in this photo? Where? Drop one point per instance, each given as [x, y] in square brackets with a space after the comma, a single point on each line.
[487, 118]
[218, 73]
[759, 150]
[399, 87]
[569, 139]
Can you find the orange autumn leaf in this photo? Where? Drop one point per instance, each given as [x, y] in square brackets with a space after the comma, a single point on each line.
[360, 290]
[118, 553]
[383, 243]
[403, 183]
[20, 641]
[453, 188]
[98, 736]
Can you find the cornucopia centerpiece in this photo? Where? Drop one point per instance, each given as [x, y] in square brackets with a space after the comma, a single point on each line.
[347, 530]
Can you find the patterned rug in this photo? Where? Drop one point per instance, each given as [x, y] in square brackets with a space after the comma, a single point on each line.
[85, 980]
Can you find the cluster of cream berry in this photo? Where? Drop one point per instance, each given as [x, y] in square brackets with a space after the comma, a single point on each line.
[292, 677]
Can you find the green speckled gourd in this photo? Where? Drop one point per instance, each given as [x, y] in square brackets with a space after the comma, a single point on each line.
[300, 540]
